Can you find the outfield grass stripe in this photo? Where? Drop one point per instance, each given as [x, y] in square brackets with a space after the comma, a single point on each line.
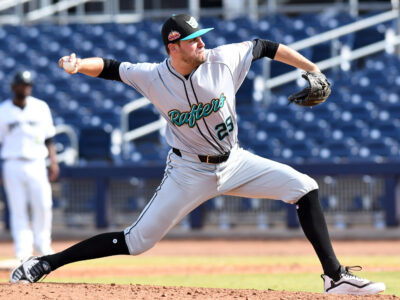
[237, 260]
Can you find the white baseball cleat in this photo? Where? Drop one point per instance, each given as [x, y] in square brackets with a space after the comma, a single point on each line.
[351, 284]
[31, 270]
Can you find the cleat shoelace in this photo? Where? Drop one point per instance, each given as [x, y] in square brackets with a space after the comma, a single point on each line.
[350, 275]
[18, 275]
[37, 270]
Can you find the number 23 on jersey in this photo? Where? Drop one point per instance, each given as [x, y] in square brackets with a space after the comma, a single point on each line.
[223, 129]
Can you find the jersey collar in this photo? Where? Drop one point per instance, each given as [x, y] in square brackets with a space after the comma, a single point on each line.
[176, 73]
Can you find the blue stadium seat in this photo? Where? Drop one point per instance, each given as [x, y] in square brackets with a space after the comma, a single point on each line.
[304, 150]
[276, 130]
[352, 129]
[110, 117]
[389, 129]
[368, 36]
[317, 133]
[149, 151]
[278, 68]
[378, 151]
[321, 52]
[72, 118]
[336, 149]
[264, 149]
[245, 92]
[95, 144]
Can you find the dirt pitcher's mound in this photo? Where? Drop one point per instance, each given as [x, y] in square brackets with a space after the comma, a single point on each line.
[134, 291]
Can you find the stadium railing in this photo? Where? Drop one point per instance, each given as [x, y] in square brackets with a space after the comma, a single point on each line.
[131, 135]
[32, 11]
[70, 154]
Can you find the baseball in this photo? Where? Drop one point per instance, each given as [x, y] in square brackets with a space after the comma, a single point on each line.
[69, 65]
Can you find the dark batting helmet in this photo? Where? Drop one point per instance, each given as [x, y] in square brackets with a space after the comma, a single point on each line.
[23, 77]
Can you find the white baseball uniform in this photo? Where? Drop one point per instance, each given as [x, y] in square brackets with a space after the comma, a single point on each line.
[22, 137]
[201, 116]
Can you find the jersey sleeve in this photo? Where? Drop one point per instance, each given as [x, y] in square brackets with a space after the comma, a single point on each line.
[2, 127]
[2, 133]
[50, 129]
[139, 76]
[238, 58]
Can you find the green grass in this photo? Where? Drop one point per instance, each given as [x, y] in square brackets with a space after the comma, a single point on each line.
[377, 261]
[309, 282]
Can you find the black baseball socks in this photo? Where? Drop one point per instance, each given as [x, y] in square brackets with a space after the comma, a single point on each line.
[102, 245]
[313, 222]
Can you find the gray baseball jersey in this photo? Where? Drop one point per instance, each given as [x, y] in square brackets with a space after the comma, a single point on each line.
[200, 110]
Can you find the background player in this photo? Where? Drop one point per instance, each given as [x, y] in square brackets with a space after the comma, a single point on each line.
[194, 90]
[26, 131]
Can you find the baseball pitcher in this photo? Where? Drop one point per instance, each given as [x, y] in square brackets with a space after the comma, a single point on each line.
[194, 90]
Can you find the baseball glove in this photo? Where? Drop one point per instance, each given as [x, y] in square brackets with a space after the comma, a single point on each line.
[317, 92]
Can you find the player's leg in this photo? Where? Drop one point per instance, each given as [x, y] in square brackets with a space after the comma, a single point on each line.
[250, 175]
[263, 178]
[283, 182]
[41, 205]
[184, 187]
[180, 191]
[15, 187]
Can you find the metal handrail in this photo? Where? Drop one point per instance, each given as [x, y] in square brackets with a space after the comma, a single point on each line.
[112, 12]
[345, 30]
[128, 108]
[333, 61]
[6, 4]
[130, 135]
[143, 130]
[71, 155]
[49, 10]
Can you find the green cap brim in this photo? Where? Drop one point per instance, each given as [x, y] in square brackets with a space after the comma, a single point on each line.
[197, 33]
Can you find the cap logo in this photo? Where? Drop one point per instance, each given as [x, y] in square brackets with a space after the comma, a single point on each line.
[192, 22]
[173, 35]
[26, 75]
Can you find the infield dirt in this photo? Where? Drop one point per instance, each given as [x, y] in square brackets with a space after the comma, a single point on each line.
[45, 290]
[112, 291]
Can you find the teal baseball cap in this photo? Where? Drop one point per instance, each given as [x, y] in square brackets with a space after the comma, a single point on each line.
[181, 28]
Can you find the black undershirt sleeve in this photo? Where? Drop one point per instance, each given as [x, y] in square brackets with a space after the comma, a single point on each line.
[264, 48]
[110, 70]
[49, 141]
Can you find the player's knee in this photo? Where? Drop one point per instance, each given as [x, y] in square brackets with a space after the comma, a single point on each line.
[137, 243]
[44, 206]
[142, 247]
[303, 185]
[310, 183]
